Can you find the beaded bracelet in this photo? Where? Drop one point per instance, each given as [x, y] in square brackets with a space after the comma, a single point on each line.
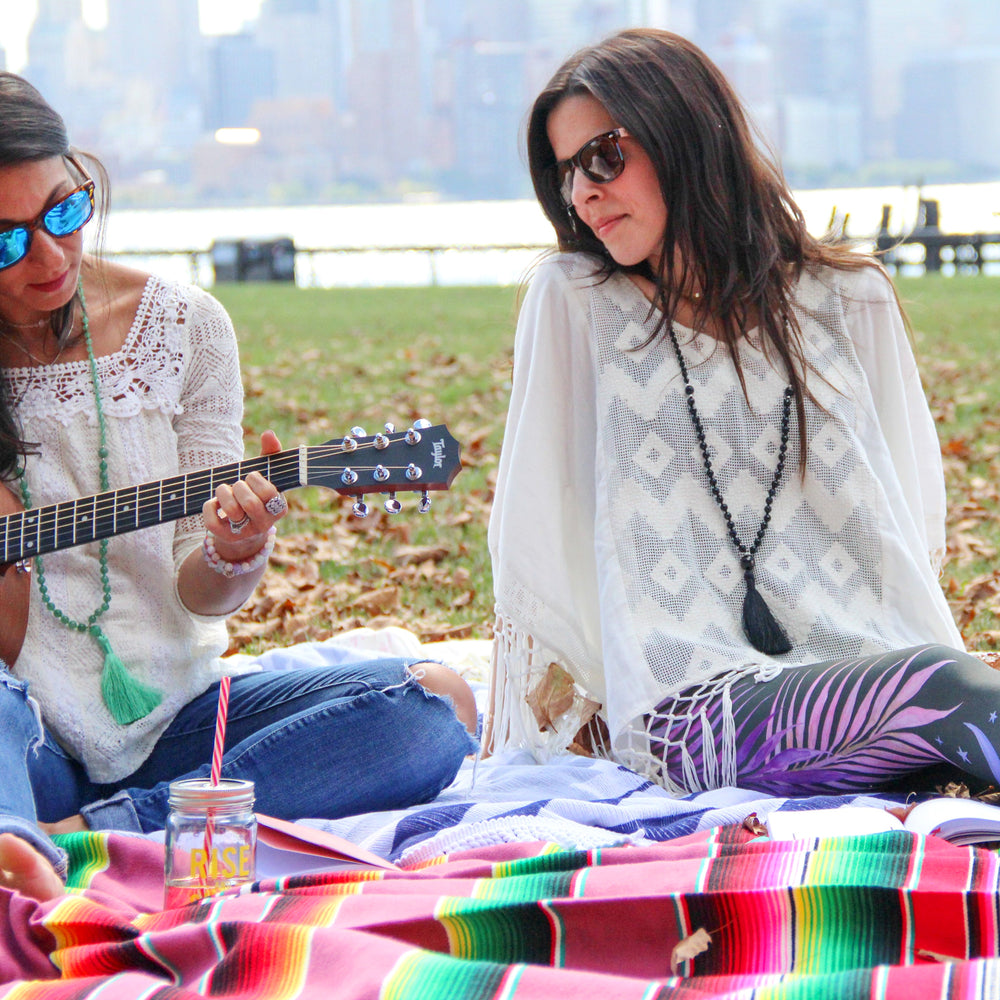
[231, 569]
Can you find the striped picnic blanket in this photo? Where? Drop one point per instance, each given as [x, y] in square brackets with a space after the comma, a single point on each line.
[887, 915]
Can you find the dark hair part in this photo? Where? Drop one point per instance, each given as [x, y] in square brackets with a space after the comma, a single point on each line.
[733, 230]
[30, 130]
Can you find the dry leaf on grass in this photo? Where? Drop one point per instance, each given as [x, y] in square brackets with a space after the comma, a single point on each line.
[407, 554]
[991, 659]
[380, 601]
[692, 946]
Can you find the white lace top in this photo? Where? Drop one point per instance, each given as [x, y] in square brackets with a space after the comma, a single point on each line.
[173, 402]
[610, 556]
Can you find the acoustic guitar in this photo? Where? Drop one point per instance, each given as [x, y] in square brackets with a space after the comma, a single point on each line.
[420, 459]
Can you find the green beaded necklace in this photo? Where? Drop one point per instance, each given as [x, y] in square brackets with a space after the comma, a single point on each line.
[126, 698]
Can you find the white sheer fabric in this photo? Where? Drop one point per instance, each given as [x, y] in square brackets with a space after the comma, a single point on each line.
[610, 556]
[173, 402]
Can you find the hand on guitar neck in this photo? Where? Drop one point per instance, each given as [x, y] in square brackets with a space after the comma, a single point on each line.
[14, 592]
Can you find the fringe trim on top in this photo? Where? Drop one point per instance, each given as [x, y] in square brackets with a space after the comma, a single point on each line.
[520, 663]
[682, 721]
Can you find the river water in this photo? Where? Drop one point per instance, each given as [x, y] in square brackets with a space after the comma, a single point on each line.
[964, 208]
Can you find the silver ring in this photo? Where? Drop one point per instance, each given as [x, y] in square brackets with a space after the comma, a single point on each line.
[277, 505]
[237, 526]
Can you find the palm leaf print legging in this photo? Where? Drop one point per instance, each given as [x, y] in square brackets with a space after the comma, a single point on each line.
[847, 725]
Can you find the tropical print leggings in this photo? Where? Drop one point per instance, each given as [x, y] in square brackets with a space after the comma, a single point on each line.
[845, 725]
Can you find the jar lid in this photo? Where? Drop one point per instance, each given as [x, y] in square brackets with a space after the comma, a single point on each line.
[200, 793]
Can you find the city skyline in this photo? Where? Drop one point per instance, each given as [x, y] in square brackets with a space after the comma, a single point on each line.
[354, 100]
[217, 17]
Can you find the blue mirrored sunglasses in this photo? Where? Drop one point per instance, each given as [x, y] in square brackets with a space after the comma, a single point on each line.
[67, 216]
[601, 159]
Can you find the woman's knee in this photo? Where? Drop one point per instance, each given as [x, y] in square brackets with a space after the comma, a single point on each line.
[441, 680]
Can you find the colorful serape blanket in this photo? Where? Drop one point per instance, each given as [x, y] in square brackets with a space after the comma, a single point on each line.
[887, 915]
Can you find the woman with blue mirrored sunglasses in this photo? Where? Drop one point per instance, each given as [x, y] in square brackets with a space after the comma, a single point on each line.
[110, 648]
[67, 216]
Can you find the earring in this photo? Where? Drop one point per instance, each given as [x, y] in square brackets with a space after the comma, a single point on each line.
[571, 215]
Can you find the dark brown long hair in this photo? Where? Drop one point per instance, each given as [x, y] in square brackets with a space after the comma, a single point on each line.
[30, 130]
[731, 220]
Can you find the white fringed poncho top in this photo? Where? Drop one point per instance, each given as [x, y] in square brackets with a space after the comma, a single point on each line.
[612, 560]
[173, 402]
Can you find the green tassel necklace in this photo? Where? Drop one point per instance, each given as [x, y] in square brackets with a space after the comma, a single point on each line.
[126, 698]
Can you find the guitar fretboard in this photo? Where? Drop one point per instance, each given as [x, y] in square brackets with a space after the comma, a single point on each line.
[87, 519]
[422, 460]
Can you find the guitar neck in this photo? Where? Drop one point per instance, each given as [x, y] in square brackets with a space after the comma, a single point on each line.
[75, 522]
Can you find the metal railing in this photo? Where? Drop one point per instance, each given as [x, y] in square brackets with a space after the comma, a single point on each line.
[922, 250]
[199, 263]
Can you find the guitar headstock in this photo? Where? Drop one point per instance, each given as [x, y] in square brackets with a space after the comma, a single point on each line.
[419, 459]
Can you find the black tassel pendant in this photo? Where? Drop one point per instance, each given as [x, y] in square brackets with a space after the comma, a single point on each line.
[759, 624]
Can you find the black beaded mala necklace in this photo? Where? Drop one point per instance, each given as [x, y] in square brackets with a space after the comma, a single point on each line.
[761, 627]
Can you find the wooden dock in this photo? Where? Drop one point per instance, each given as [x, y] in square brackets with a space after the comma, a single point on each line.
[968, 252]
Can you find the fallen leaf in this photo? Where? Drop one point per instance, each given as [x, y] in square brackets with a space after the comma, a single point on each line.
[753, 825]
[406, 554]
[692, 946]
[382, 600]
[956, 790]
[464, 600]
[592, 734]
[440, 634]
[935, 956]
[552, 696]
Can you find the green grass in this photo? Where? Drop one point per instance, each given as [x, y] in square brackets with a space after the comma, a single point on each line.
[956, 324]
[319, 361]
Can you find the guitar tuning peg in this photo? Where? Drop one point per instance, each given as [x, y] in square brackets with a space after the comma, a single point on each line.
[389, 428]
[425, 503]
[358, 432]
[392, 505]
[421, 424]
[360, 509]
[349, 444]
[412, 436]
[381, 442]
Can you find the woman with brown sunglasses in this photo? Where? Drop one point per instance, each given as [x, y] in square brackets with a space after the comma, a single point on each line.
[110, 650]
[719, 514]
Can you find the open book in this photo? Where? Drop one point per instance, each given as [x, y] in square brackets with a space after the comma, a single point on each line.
[285, 848]
[960, 821]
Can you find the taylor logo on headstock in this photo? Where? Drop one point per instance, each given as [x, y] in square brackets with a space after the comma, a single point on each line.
[437, 450]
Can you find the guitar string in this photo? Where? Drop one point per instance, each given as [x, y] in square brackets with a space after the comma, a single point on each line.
[103, 503]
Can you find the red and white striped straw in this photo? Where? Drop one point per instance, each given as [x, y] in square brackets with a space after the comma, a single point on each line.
[220, 730]
[216, 773]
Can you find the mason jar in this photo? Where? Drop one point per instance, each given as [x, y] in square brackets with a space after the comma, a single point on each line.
[211, 839]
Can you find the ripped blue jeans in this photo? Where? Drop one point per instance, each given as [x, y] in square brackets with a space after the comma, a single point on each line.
[320, 742]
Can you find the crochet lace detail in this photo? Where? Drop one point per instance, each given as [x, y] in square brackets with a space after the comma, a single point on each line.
[137, 376]
[172, 400]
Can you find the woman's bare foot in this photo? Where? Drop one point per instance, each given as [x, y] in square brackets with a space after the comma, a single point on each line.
[26, 871]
